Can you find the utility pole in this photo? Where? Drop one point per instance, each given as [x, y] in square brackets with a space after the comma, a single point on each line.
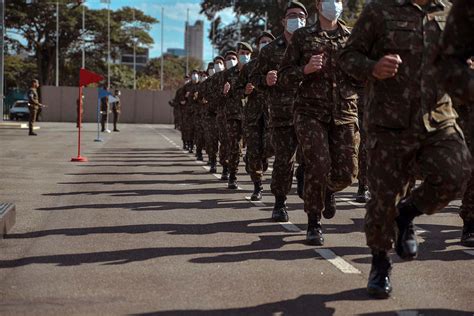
[266, 21]
[57, 43]
[187, 42]
[213, 32]
[134, 53]
[108, 44]
[83, 35]
[2, 47]
[162, 41]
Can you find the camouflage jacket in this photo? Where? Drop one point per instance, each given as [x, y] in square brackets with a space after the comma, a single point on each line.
[213, 93]
[117, 106]
[233, 103]
[280, 101]
[412, 100]
[329, 94]
[456, 47]
[189, 91]
[254, 104]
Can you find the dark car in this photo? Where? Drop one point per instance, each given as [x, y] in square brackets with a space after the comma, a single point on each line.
[19, 111]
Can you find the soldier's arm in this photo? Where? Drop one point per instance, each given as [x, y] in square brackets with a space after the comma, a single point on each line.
[355, 59]
[457, 46]
[291, 71]
[259, 73]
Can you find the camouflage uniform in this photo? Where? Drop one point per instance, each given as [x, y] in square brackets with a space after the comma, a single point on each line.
[34, 107]
[409, 118]
[188, 112]
[198, 119]
[280, 107]
[456, 47]
[234, 116]
[104, 111]
[255, 126]
[325, 114]
[209, 114]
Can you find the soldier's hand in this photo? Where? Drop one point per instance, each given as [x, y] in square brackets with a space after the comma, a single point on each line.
[387, 67]
[470, 62]
[249, 88]
[272, 78]
[226, 88]
[315, 64]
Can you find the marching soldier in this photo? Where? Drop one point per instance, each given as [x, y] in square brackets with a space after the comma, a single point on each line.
[116, 109]
[178, 106]
[280, 106]
[104, 110]
[409, 119]
[188, 105]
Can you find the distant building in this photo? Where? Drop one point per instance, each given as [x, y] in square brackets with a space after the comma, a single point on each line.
[194, 40]
[142, 57]
[178, 52]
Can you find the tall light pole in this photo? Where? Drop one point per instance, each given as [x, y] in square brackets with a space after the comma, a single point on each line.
[108, 44]
[134, 53]
[83, 35]
[162, 41]
[187, 42]
[2, 43]
[57, 43]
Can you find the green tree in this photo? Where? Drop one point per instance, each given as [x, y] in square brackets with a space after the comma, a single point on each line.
[16, 70]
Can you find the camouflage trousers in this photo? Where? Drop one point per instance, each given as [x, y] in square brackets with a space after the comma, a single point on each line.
[466, 121]
[199, 132]
[444, 164]
[176, 116]
[211, 135]
[258, 149]
[223, 144]
[234, 140]
[284, 144]
[187, 130]
[331, 159]
[362, 177]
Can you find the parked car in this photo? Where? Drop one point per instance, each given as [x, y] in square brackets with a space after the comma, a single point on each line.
[19, 111]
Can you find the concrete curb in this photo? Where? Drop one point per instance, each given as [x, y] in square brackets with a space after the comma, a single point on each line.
[7, 218]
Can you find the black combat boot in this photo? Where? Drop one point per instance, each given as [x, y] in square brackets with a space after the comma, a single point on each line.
[467, 238]
[379, 285]
[232, 184]
[406, 245]
[329, 205]
[225, 174]
[363, 194]
[314, 235]
[213, 166]
[199, 156]
[280, 212]
[300, 181]
[190, 147]
[257, 191]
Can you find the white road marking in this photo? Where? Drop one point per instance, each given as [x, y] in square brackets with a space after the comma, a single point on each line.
[337, 261]
[289, 226]
[256, 203]
[350, 201]
[469, 252]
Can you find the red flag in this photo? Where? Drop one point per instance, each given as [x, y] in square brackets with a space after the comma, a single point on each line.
[87, 77]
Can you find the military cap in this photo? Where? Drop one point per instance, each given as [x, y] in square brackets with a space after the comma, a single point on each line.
[231, 52]
[265, 34]
[210, 65]
[219, 58]
[187, 77]
[296, 5]
[245, 46]
[195, 70]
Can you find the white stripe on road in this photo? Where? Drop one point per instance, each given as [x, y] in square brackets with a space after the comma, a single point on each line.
[349, 201]
[289, 226]
[469, 252]
[337, 261]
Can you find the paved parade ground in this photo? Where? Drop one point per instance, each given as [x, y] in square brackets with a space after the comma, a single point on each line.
[143, 229]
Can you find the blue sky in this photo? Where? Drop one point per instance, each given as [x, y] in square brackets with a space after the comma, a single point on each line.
[174, 20]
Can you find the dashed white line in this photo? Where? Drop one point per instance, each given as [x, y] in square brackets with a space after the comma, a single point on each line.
[337, 261]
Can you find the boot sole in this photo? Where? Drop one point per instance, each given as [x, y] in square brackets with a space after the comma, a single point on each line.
[314, 243]
[381, 295]
[330, 215]
[280, 220]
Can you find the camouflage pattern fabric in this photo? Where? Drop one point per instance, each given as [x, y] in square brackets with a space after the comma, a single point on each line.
[284, 144]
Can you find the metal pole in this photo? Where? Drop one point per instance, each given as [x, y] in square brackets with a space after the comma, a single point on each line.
[134, 54]
[266, 21]
[187, 42]
[162, 41]
[213, 30]
[108, 44]
[57, 43]
[2, 43]
[83, 36]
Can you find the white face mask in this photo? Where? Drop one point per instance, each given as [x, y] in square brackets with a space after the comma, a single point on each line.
[203, 78]
[195, 77]
[230, 63]
[219, 67]
[293, 24]
[262, 45]
[244, 59]
[331, 10]
[211, 72]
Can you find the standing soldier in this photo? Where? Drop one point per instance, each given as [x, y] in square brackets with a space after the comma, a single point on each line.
[457, 47]
[325, 112]
[233, 107]
[104, 110]
[255, 123]
[409, 119]
[33, 105]
[199, 117]
[116, 109]
[178, 102]
[280, 106]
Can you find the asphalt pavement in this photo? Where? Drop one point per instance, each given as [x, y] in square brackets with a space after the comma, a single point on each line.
[144, 229]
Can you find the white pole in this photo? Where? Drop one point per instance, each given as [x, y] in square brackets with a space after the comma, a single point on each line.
[134, 54]
[187, 42]
[266, 21]
[2, 43]
[108, 45]
[162, 41]
[57, 43]
[83, 36]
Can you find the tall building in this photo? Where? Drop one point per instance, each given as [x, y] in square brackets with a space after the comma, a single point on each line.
[178, 52]
[194, 40]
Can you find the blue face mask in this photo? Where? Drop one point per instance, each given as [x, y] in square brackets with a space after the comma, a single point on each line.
[293, 24]
[331, 10]
[244, 59]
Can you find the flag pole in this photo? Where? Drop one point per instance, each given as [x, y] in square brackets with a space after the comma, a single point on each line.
[98, 139]
[79, 158]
